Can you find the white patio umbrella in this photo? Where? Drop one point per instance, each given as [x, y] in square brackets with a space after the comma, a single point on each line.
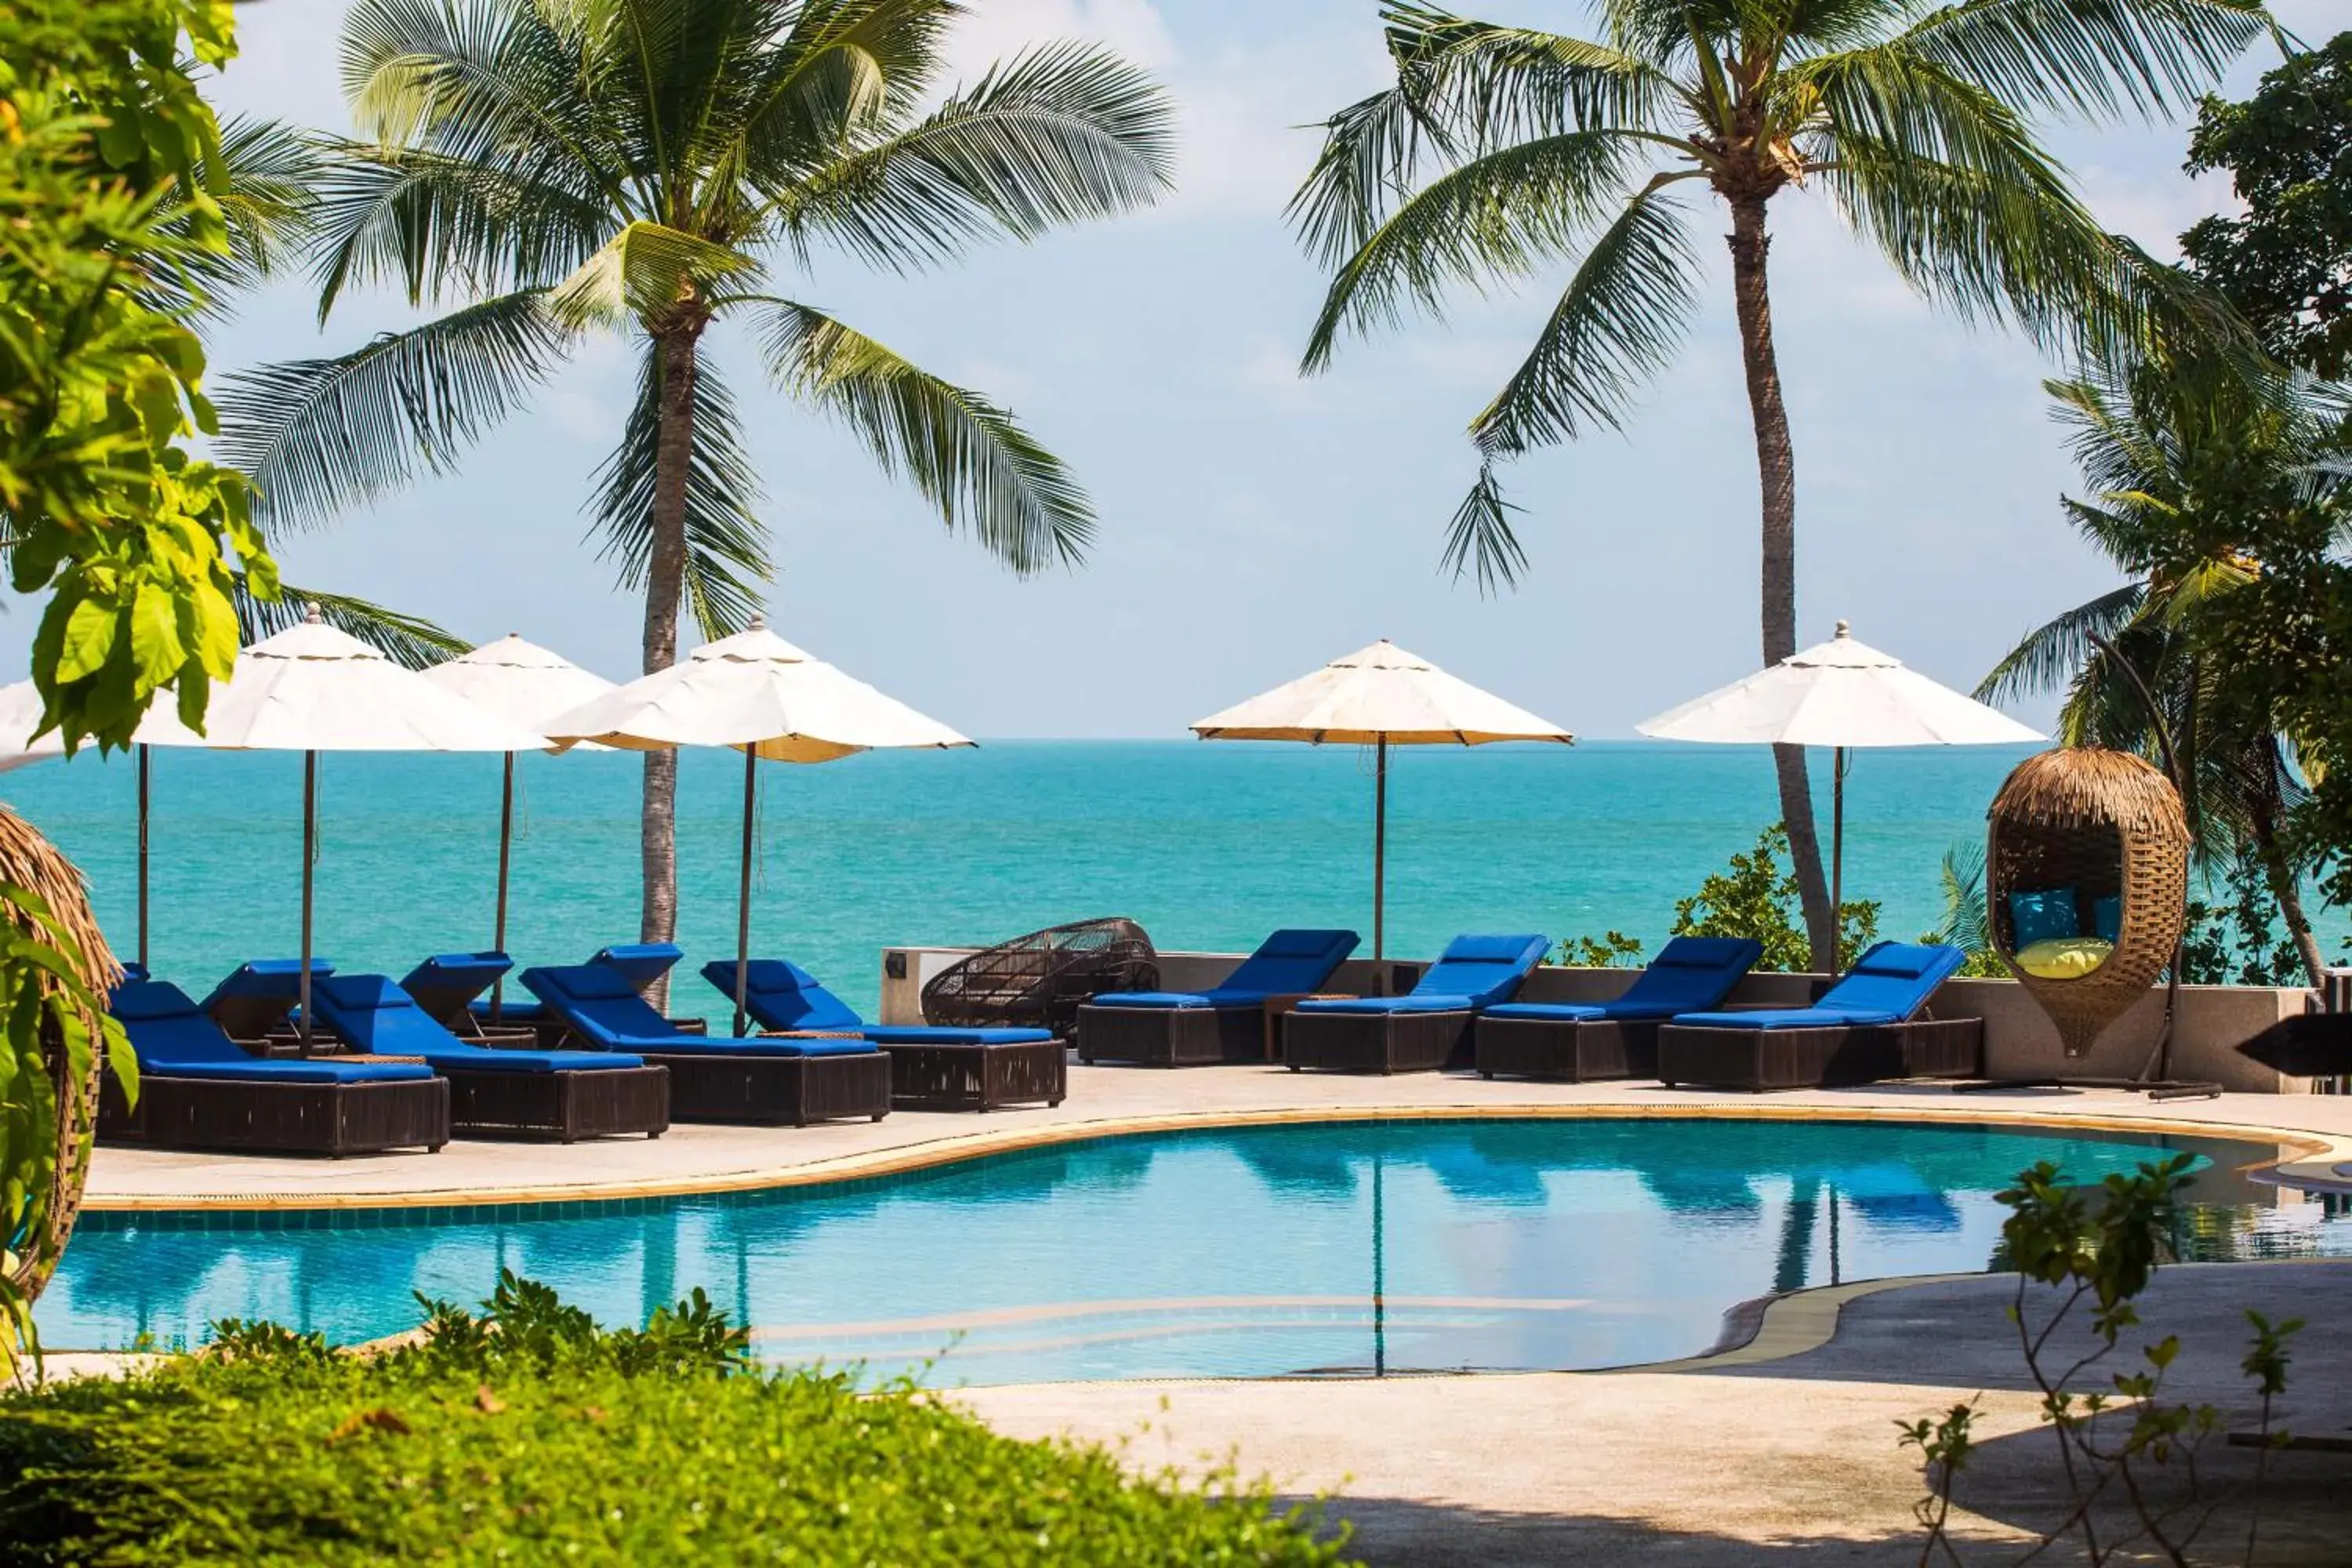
[1844, 695]
[530, 685]
[20, 711]
[311, 688]
[1379, 697]
[758, 693]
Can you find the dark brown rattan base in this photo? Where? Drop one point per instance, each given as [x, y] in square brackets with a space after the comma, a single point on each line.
[1573, 1050]
[1172, 1036]
[1375, 1042]
[1819, 1058]
[978, 1077]
[593, 1102]
[331, 1119]
[773, 1090]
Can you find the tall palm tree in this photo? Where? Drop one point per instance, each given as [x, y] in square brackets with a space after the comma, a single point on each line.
[2194, 473]
[1502, 151]
[555, 167]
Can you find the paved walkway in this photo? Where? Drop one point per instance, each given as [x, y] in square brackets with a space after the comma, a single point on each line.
[1785, 1460]
[1101, 1099]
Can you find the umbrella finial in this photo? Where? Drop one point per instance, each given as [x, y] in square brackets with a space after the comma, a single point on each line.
[759, 622]
[1844, 630]
[310, 616]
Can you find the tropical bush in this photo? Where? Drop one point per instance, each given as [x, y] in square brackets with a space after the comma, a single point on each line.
[1754, 896]
[527, 1434]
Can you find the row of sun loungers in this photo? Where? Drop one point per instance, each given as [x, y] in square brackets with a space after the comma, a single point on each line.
[1671, 1024]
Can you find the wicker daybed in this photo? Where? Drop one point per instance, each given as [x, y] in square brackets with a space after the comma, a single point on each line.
[2095, 825]
[1040, 980]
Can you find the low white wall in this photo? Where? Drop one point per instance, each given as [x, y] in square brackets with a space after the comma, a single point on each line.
[2019, 1041]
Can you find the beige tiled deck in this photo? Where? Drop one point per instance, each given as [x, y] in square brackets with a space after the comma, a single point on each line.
[1101, 1099]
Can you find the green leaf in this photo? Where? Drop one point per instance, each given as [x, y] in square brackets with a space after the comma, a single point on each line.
[90, 638]
[155, 643]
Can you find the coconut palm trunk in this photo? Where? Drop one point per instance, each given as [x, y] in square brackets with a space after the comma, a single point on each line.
[1776, 472]
[664, 591]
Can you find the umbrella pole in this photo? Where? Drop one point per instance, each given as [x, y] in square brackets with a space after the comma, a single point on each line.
[143, 752]
[1380, 860]
[506, 850]
[309, 847]
[1837, 855]
[743, 892]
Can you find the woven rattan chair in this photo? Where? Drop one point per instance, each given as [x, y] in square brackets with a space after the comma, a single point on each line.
[2109, 825]
[1038, 981]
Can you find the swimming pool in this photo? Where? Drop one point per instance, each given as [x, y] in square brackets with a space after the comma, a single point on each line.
[1338, 1247]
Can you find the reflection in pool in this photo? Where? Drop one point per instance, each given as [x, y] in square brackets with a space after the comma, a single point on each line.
[1400, 1245]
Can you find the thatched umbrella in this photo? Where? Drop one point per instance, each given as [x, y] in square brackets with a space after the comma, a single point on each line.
[30, 861]
[2108, 825]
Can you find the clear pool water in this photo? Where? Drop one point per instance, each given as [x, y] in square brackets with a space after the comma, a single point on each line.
[1392, 1247]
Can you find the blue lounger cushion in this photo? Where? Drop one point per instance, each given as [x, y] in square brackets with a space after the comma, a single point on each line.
[257, 997]
[780, 994]
[598, 1000]
[1887, 985]
[1473, 973]
[1290, 963]
[175, 1038]
[1689, 973]
[447, 984]
[639, 962]
[375, 1015]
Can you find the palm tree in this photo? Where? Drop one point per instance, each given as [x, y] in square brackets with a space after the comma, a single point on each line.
[2194, 473]
[1501, 151]
[644, 166]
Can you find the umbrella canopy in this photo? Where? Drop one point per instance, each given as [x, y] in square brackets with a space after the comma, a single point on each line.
[1380, 694]
[1379, 697]
[1839, 693]
[20, 710]
[531, 686]
[769, 700]
[1842, 694]
[521, 680]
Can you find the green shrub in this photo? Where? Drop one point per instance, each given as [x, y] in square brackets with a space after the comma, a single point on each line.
[528, 1434]
[1754, 897]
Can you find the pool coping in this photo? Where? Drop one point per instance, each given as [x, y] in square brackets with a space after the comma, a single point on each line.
[2305, 1149]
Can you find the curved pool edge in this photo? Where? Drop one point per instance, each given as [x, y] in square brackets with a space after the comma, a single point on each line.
[2311, 1160]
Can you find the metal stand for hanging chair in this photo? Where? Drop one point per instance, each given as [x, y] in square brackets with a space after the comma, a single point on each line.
[2109, 825]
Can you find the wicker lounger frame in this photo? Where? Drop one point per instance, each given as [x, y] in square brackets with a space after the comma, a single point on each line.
[1375, 1042]
[1172, 1036]
[250, 1116]
[567, 1106]
[775, 1090]
[1568, 1049]
[1762, 1059]
[977, 1076]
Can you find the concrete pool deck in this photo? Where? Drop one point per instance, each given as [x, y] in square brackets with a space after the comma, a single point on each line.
[2316, 1129]
[1782, 1452]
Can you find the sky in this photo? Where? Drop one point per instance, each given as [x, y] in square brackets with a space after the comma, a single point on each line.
[1255, 525]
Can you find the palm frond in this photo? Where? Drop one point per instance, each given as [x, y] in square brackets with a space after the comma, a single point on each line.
[1616, 325]
[411, 641]
[319, 436]
[2100, 57]
[1061, 134]
[1965, 924]
[844, 72]
[2055, 654]
[727, 564]
[644, 272]
[967, 456]
[1495, 218]
[1481, 539]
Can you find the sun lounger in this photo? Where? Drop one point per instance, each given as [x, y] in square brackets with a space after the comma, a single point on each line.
[1427, 1028]
[260, 996]
[199, 1089]
[714, 1079]
[1223, 1024]
[933, 1067]
[1866, 1027]
[565, 1095]
[447, 986]
[639, 962]
[1577, 1041]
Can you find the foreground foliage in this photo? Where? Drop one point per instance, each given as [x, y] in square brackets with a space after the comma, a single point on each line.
[526, 1433]
[2117, 1434]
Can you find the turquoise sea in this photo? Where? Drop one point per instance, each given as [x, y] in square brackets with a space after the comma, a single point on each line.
[1210, 845]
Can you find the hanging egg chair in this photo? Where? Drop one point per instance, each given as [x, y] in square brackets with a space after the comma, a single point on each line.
[2086, 883]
